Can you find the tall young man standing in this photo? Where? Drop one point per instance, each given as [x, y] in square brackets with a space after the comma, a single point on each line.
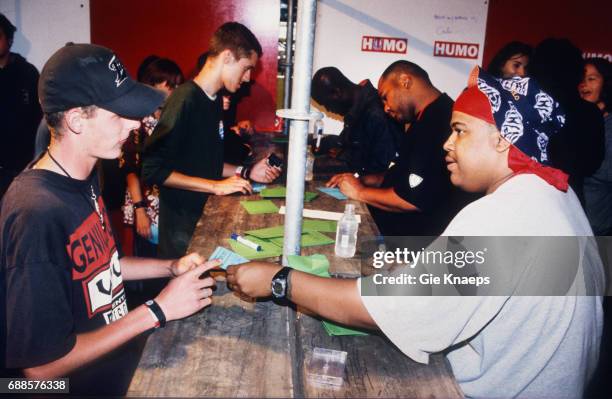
[62, 299]
[184, 155]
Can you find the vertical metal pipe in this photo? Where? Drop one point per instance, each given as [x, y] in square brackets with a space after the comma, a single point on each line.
[300, 102]
[288, 60]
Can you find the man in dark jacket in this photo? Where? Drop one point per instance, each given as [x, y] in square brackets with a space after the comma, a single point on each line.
[19, 108]
[370, 139]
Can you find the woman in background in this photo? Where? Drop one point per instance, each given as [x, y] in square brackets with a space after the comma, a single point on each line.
[141, 207]
[596, 87]
[512, 60]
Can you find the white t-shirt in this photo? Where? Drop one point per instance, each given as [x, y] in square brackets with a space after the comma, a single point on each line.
[508, 346]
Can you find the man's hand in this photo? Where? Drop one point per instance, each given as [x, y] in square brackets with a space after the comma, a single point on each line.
[231, 185]
[186, 263]
[187, 294]
[262, 172]
[348, 184]
[253, 279]
[143, 223]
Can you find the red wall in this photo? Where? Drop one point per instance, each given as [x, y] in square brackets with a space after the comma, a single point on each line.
[180, 30]
[587, 23]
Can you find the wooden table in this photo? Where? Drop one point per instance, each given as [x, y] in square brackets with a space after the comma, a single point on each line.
[236, 348]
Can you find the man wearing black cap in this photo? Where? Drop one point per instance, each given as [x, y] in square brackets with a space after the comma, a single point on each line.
[63, 298]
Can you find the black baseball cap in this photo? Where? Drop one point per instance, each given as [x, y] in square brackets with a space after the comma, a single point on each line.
[79, 75]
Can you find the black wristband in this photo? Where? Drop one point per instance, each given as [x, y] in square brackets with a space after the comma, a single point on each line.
[157, 311]
[140, 204]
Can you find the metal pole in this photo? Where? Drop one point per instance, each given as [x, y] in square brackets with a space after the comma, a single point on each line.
[288, 60]
[300, 102]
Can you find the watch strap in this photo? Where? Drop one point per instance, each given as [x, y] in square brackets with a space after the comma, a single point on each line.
[157, 311]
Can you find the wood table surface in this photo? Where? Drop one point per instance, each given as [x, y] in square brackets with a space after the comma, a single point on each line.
[236, 348]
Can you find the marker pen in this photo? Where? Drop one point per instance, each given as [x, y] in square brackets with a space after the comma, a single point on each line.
[246, 242]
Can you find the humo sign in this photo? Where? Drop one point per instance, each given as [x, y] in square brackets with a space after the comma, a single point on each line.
[384, 44]
[455, 50]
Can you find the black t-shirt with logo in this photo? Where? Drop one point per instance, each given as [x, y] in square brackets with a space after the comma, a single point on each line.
[187, 139]
[421, 178]
[61, 277]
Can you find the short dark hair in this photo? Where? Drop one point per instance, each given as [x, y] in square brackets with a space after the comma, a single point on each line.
[506, 52]
[54, 119]
[235, 37]
[403, 66]
[558, 66]
[162, 70]
[7, 27]
[325, 80]
[604, 67]
[144, 64]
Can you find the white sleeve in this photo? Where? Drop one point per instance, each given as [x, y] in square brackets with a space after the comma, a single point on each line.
[421, 325]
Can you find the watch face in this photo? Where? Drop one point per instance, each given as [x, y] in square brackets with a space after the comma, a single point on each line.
[149, 302]
[278, 288]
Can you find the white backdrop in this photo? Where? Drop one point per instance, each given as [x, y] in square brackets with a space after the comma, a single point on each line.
[43, 26]
[342, 24]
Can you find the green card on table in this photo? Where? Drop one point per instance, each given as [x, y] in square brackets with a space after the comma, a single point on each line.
[319, 265]
[281, 192]
[309, 239]
[268, 249]
[259, 207]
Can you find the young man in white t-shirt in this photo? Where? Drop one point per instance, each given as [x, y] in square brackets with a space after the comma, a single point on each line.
[503, 345]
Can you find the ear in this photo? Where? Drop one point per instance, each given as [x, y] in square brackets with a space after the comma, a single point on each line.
[227, 56]
[502, 144]
[74, 120]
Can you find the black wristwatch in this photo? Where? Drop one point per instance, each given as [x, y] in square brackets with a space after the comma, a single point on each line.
[280, 284]
[156, 312]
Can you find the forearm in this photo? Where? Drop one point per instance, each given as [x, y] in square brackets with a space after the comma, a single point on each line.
[229, 170]
[133, 268]
[133, 186]
[93, 345]
[333, 299]
[385, 199]
[190, 183]
[373, 180]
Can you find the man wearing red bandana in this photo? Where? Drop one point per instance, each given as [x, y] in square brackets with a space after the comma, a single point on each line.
[526, 341]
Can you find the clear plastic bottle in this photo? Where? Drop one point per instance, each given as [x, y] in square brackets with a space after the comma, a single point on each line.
[310, 158]
[346, 233]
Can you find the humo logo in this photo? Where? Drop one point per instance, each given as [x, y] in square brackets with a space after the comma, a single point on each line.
[455, 50]
[594, 54]
[384, 44]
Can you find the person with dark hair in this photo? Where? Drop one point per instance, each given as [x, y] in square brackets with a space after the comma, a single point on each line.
[370, 139]
[414, 197]
[144, 64]
[19, 108]
[579, 147]
[184, 155]
[62, 302]
[512, 60]
[141, 206]
[596, 88]
[236, 147]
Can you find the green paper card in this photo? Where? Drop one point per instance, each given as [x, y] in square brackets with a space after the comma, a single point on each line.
[334, 329]
[324, 226]
[259, 207]
[268, 250]
[281, 192]
[268, 232]
[274, 192]
[316, 264]
[309, 239]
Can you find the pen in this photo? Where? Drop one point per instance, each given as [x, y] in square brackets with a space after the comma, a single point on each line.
[246, 242]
